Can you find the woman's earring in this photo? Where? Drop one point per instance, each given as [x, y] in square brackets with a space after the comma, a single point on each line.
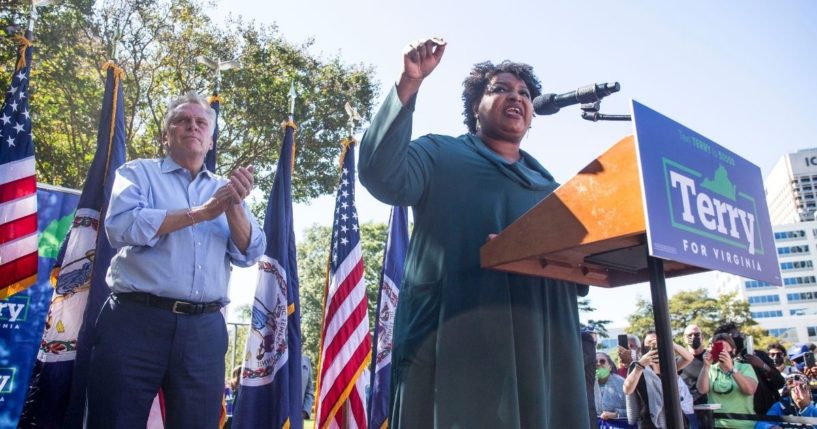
[478, 126]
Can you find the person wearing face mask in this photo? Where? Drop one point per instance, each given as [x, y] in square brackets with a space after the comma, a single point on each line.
[727, 382]
[643, 389]
[690, 373]
[770, 381]
[777, 353]
[609, 389]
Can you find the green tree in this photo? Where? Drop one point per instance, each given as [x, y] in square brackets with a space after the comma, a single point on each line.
[698, 307]
[313, 251]
[237, 331]
[600, 326]
[157, 42]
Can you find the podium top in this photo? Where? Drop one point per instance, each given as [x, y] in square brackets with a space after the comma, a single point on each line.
[591, 230]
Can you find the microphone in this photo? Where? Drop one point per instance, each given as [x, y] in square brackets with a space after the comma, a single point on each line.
[548, 104]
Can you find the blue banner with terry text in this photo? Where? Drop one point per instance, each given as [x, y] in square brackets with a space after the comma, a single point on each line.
[22, 316]
[704, 204]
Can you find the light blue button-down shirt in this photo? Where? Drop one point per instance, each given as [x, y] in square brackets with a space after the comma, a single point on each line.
[192, 263]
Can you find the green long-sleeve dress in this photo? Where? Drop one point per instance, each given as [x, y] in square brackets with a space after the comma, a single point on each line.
[473, 348]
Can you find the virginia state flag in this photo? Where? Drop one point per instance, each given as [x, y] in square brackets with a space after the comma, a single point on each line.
[210, 158]
[393, 260]
[57, 392]
[270, 392]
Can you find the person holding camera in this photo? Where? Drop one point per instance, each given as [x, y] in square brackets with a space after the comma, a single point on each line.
[627, 355]
[770, 381]
[643, 390]
[728, 383]
[795, 401]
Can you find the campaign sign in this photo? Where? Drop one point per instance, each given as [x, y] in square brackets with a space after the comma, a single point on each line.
[22, 316]
[704, 205]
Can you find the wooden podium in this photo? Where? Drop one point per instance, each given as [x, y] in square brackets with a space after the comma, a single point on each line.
[591, 230]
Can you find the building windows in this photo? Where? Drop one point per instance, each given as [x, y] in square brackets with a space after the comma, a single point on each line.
[793, 250]
[802, 296]
[786, 235]
[803, 312]
[796, 265]
[784, 333]
[794, 281]
[764, 299]
[766, 314]
[757, 284]
[812, 332]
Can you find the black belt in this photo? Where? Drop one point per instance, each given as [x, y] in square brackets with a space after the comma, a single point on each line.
[175, 306]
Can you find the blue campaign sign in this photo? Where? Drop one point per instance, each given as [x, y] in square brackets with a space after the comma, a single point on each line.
[22, 316]
[704, 205]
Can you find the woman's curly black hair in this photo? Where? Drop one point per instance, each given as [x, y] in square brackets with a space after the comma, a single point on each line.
[473, 87]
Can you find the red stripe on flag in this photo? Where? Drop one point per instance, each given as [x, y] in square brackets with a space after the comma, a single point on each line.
[342, 381]
[18, 188]
[21, 227]
[337, 300]
[18, 269]
[345, 332]
[17, 287]
[346, 286]
[358, 411]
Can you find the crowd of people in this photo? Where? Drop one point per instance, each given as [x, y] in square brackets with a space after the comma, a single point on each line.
[722, 382]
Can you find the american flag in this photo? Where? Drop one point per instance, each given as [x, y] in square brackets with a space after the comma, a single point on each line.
[394, 258]
[345, 342]
[18, 184]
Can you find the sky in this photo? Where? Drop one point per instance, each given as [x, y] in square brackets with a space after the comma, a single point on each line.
[740, 72]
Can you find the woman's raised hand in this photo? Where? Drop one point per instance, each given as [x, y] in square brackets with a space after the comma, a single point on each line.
[420, 58]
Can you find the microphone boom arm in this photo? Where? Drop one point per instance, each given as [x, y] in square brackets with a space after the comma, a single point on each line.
[590, 111]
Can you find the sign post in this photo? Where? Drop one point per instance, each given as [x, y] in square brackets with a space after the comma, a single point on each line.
[704, 206]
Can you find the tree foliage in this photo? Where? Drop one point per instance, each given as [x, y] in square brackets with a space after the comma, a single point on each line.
[157, 42]
[698, 307]
[600, 326]
[313, 252]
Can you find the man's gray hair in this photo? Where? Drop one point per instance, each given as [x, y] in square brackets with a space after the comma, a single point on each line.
[190, 97]
[635, 339]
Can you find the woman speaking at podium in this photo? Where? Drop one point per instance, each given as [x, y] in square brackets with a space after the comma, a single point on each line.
[473, 348]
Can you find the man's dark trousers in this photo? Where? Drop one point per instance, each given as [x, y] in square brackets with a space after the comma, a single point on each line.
[139, 348]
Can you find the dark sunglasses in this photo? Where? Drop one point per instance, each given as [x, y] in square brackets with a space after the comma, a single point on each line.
[601, 362]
